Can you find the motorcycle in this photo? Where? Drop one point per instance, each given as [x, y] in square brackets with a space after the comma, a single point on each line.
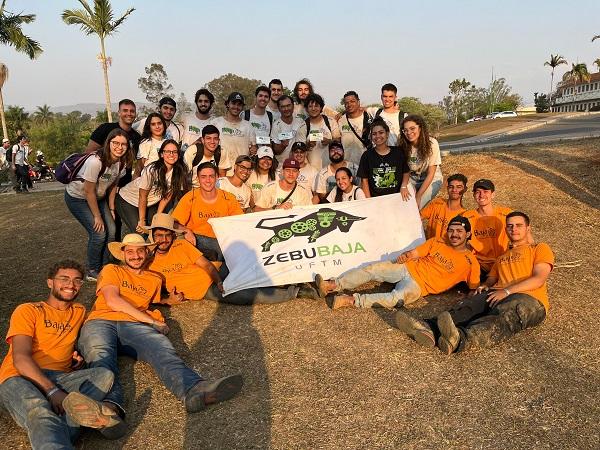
[41, 172]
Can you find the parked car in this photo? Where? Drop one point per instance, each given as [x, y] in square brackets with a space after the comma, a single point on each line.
[475, 119]
[503, 114]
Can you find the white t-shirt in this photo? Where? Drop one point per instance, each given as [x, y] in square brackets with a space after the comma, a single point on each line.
[243, 194]
[236, 138]
[19, 154]
[174, 131]
[392, 121]
[279, 126]
[90, 171]
[224, 163]
[325, 180]
[306, 177]
[131, 191]
[353, 147]
[256, 182]
[318, 156]
[274, 111]
[149, 149]
[418, 168]
[355, 194]
[260, 124]
[192, 129]
[272, 195]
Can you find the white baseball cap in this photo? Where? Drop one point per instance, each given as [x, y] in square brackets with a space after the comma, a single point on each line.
[264, 151]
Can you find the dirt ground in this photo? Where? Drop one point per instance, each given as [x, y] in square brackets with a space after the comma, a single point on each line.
[319, 379]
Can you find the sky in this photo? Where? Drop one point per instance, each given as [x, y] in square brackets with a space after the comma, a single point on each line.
[339, 45]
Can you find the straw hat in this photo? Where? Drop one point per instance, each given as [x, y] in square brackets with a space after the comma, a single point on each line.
[164, 221]
[135, 240]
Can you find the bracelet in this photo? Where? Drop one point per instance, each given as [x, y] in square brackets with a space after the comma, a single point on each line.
[403, 187]
[52, 391]
[507, 291]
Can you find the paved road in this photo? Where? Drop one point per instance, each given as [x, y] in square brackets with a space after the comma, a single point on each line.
[571, 128]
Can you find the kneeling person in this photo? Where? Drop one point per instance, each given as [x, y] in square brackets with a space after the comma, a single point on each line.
[431, 268]
[513, 297]
[121, 323]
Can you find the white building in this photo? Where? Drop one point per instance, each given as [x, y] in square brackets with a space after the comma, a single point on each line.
[577, 97]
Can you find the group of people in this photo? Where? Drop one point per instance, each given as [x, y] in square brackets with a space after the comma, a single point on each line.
[166, 183]
[16, 158]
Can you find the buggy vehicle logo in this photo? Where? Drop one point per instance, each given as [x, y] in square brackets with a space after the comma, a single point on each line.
[315, 225]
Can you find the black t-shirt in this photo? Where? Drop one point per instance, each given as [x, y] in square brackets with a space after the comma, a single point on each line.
[384, 173]
[100, 134]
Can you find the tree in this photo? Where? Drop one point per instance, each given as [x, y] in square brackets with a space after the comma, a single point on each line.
[43, 114]
[542, 103]
[597, 63]
[500, 97]
[100, 21]
[434, 115]
[226, 84]
[12, 35]
[595, 37]
[17, 120]
[578, 74]
[555, 61]
[457, 90]
[156, 85]
[183, 107]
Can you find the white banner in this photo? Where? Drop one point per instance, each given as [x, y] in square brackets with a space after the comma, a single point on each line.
[281, 247]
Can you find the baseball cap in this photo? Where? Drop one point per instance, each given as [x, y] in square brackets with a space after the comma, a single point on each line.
[235, 97]
[484, 183]
[264, 151]
[460, 220]
[291, 163]
[5, 140]
[243, 158]
[337, 144]
[167, 101]
[299, 146]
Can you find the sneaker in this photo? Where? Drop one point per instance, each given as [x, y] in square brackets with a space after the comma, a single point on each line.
[342, 301]
[207, 393]
[305, 290]
[417, 329]
[321, 286]
[450, 337]
[91, 275]
[87, 412]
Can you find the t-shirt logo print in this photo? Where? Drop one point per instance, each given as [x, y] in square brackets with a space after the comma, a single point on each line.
[315, 225]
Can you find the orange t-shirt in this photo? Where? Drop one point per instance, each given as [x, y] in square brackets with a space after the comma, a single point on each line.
[438, 215]
[177, 268]
[488, 235]
[517, 264]
[138, 290]
[440, 267]
[54, 333]
[193, 212]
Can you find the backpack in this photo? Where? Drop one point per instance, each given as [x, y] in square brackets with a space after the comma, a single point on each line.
[366, 130]
[269, 115]
[200, 154]
[401, 115]
[307, 121]
[67, 170]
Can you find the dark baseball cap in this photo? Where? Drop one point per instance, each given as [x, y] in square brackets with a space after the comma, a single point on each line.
[167, 101]
[460, 220]
[335, 144]
[291, 163]
[484, 183]
[299, 146]
[235, 97]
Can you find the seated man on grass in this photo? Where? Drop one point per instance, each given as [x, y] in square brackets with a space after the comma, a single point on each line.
[121, 323]
[431, 268]
[40, 385]
[512, 298]
[188, 275]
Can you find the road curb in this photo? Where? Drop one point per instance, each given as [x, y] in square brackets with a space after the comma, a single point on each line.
[524, 143]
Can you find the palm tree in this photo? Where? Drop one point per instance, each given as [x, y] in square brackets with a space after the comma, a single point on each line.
[595, 37]
[597, 63]
[43, 114]
[555, 61]
[578, 74]
[12, 35]
[98, 21]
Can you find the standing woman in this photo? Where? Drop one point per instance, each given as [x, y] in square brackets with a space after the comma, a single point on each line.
[160, 182]
[383, 169]
[264, 171]
[424, 158]
[153, 136]
[91, 197]
[345, 190]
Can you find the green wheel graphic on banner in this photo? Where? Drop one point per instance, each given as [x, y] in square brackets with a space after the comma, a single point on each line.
[299, 227]
[285, 234]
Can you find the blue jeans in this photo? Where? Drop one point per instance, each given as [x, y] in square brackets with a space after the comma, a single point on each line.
[101, 341]
[97, 247]
[406, 290]
[210, 246]
[430, 192]
[253, 295]
[33, 412]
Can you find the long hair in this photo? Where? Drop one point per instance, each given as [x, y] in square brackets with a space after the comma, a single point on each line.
[298, 83]
[104, 152]
[146, 133]
[180, 182]
[338, 191]
[423, 142]
[272, 171]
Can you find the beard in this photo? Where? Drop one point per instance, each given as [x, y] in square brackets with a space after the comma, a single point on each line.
[57, 295]
[204, 109]
[336, 158]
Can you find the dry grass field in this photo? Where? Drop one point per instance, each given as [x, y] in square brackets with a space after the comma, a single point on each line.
[317, 379]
